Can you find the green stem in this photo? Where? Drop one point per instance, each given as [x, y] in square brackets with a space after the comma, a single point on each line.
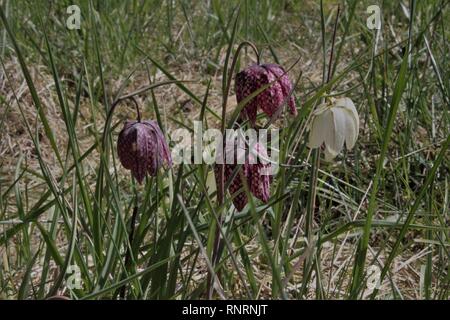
[129, 256]
[217, 246]
[316, 162]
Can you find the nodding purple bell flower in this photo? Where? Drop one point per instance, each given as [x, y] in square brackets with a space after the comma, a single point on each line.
[255, 171]
[271, 99]
[142, 148]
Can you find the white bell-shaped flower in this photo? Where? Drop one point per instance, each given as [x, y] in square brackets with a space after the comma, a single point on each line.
[334, 123]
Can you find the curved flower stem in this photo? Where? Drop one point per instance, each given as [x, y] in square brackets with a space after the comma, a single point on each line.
[131, 96]
[138, 112]
[226, 90]
[111, 112]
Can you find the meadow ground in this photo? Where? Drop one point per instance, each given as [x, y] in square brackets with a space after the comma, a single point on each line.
[371, 224]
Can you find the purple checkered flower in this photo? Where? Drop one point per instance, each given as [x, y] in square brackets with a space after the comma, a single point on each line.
[254, 170]
[142, 148]
[271, 99]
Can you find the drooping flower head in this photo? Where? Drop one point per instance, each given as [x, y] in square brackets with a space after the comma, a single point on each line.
[334, 123]
[255, 171]
[142, 148]
[272, 98]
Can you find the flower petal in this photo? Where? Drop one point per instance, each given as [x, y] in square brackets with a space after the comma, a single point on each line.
[162, 149]
[144, 153]
[126, 143]
[237, 193]
[351, 133]
[272, 98]
[321, 130]
[329, 154]
[259, 183]
[246, 82]
[286, 85]
[348, 104]
[352, 121]
[339, 120]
